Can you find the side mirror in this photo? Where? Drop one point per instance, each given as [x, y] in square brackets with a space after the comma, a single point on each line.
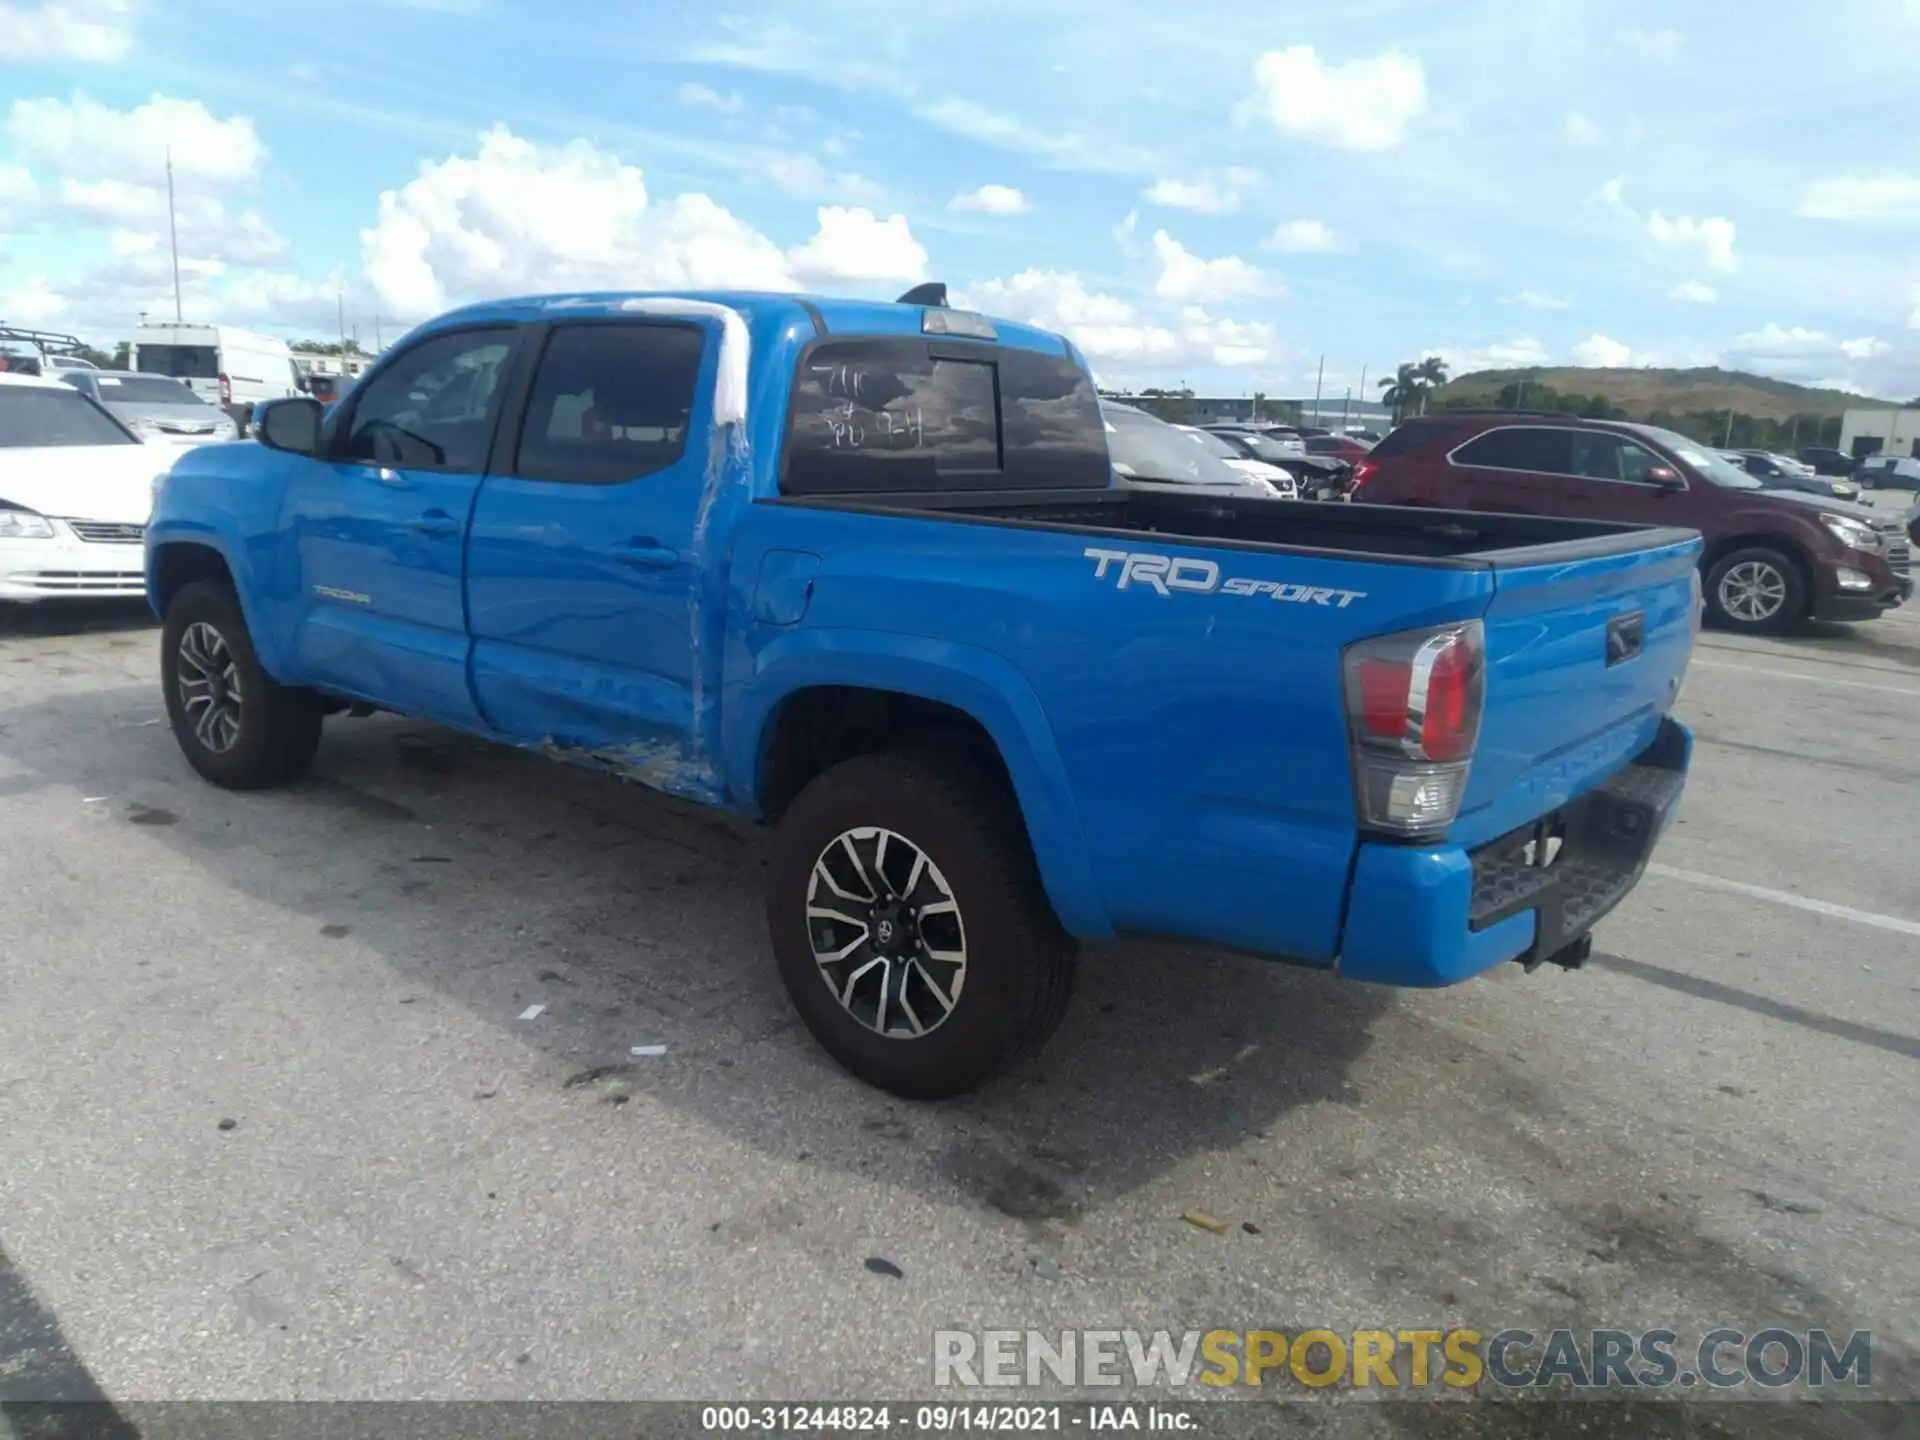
[292, 425]
[1665, 477]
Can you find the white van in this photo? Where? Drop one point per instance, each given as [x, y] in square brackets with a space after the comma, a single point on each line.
[234, 369]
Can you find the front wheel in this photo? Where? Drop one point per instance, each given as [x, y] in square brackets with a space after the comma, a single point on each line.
[236, 725]
[909, 924]
[1757, 590]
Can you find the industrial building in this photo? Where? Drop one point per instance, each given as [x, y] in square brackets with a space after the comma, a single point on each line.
[1880, 432]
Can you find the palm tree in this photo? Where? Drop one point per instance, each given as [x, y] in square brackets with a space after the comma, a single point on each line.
[1431, 374]
[1398, 392]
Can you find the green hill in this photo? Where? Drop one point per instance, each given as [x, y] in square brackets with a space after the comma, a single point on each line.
[1643, 393]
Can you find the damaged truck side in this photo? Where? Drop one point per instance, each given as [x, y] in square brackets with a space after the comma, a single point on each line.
[859, 571]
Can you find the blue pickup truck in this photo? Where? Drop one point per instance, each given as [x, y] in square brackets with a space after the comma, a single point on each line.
[860, 570]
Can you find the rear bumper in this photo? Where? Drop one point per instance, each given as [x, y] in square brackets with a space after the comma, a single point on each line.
[1429, 917]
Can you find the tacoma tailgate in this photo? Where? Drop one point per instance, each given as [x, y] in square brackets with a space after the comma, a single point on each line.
[1585, 654]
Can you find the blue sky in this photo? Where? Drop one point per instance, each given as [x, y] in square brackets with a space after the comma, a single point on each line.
[1208, 192]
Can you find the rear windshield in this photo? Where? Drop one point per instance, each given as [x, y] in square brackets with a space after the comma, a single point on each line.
[31, 418]
[1403, 438]
[183, 362]
[903, 414]
[145, 390]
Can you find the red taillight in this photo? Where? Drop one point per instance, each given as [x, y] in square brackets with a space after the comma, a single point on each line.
[1364, 471]
[1413, 712]
[226, 391]
[1452, 721]
[1384, 686]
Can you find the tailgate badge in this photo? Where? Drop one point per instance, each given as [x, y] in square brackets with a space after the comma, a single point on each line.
[1626, 637]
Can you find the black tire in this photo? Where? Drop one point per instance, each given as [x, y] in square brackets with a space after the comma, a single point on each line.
[1778, 577]
[278, 727]
[1019, 963]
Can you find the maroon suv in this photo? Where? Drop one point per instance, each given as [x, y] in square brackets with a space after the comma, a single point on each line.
[1773, 557]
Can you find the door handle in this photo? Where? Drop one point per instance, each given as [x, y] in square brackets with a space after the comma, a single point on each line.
[437, 523]
[643, 552]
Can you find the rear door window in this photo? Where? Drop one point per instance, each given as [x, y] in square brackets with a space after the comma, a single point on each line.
[889, 414]
[610, 403]
[1536, 448]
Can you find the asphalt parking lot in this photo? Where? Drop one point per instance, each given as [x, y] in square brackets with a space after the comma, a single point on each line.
[273, 1124]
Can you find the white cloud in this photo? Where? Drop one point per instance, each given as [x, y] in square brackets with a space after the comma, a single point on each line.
[1602, 352]
[1802, 353]
[1885, 196]
[805, 178]
[1658, 45]
[1541, 300]
[1223, 341]
[974, 121]
[34, 303]
[990, 200]
[1913, 319]
[1186, 276]
[93, 30]
[1124, 233]
[517, 218]
[17, 186]
[695, 96]
[1693, 292]
[86, 139]
[1366, 104]
[1613, 193]
[1303, 237]
[1208, 194]
[1581, 129]
[112, 202]
[853, 245]
[1713, 237]
[1515, 354]
[1109, 329]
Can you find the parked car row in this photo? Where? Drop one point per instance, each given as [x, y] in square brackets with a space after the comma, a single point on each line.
[1783, 472]
[1885, 472]
[1774, 554]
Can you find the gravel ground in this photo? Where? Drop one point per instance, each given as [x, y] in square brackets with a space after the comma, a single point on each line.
[271, 1125]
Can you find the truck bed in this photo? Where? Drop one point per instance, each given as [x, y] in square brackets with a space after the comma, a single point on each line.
[1461, 538]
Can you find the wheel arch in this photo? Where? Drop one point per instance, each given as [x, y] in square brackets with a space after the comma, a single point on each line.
[819, 697]
[181, 560]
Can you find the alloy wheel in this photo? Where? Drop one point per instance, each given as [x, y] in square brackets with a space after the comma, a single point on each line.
[886, 932]
[209, 684]
[1753, 591]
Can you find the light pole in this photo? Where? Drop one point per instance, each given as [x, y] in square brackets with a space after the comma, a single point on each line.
[173, 239]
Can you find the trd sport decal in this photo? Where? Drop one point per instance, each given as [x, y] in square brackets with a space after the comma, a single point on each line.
[1163, 574]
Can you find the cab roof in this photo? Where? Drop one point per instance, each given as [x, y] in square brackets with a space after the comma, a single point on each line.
[32, 382]
[836, 316]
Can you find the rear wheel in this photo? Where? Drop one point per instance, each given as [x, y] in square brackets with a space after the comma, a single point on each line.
[909, 924]
[236, 725]
[1758, 590]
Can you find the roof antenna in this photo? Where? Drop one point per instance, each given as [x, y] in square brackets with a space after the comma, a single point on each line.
[932, 293]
